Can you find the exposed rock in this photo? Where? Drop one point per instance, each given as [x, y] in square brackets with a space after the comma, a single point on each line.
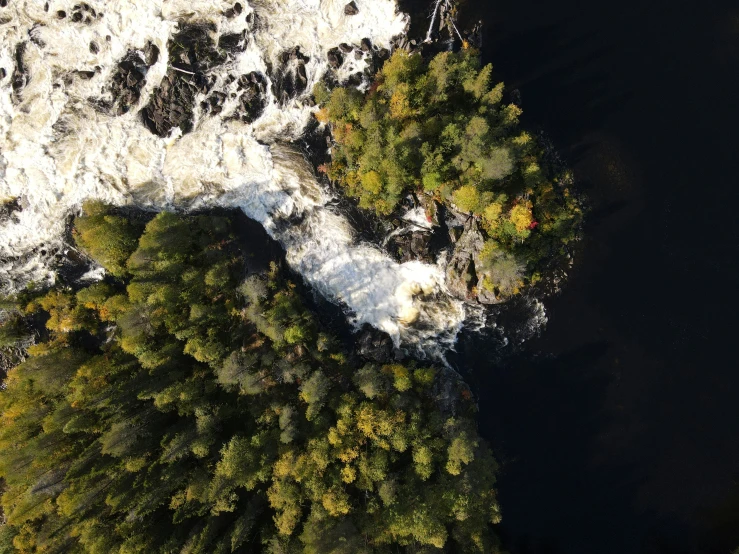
[366, 44]
[374, 345]
[151, 53]
[9, 207]
[407, 247]
[461, 275]
[3, 73]
[290, 79]
[130, 77]
[335, 58]
[485, 296]
[233, 12]
[251, 90]
[233, 43]
[346, 48]
[35, 35]
[83, 13]
[192, 53]
[351, 8]
[20, 77]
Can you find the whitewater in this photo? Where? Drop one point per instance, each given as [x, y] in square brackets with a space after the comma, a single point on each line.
[58, 148]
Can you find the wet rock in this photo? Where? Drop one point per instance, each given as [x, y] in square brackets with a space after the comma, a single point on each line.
[358, 55]
[192, 54]
[61, 14]
[351, 8]
[251, 90]
[335, 58]
[130, 77]
[83, 13]
[233, 43]
[233, 12]
[214, 104]
[383, 53]
[20, 77]
[3, 73]
[35, 35]
[8, 208]
[374, 345]
[346, 48]
[461, 275]
[94, 48]
[366, 44]
[290, 79]
[3, 3]
[412, 246]
[151, 53]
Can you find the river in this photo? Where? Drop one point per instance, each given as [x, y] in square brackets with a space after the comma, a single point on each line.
[618, 429]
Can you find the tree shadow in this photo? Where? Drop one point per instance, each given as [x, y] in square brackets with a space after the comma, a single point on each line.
[541, 414]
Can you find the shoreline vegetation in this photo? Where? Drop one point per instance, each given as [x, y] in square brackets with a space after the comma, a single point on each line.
[436, 128]
[189, 403]
[181, 405]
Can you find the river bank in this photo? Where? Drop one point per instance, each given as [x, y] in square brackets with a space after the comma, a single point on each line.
[617, 429]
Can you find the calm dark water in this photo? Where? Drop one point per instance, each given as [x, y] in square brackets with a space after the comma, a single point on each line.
[618, 429]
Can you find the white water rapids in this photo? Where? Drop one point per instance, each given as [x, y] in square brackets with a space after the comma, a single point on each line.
[57, 150]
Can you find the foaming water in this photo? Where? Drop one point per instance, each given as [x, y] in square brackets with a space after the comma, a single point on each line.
[58, 148]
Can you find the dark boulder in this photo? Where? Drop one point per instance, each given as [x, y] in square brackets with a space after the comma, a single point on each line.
[351, 8]
[335, 58]
[192, 54]
[251, 90]
[233, 43]
[289, 78]
[129, 78]
[374, 345]
[20, 76]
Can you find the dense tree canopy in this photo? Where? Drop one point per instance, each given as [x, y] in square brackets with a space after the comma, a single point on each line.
[184, 408]
[440, 127]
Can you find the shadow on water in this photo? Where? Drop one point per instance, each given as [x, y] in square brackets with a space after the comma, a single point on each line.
[539, 413]
[617, 428]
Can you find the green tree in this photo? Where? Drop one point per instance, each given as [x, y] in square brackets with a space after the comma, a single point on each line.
[176, 410]
[439, 127]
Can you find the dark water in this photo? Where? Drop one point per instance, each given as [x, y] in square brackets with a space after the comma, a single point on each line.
[618, 429]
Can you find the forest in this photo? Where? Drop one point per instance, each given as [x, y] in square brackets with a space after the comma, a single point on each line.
[439, 126]
[183, 404]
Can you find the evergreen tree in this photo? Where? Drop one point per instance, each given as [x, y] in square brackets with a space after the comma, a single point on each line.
[174, 410]
[439, 127]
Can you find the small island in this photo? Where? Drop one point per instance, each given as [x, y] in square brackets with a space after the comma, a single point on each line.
[437, 128]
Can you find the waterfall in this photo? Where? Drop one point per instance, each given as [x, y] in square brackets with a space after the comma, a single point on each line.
[62, 141]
